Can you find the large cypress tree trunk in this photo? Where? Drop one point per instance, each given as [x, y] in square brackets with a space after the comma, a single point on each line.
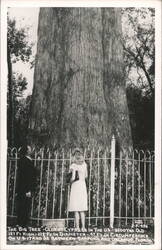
[113, 76]
[79, 95]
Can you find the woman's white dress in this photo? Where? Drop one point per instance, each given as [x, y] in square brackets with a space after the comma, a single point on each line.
[78, 192]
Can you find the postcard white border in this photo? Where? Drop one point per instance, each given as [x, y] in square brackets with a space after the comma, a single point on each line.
[75, 3]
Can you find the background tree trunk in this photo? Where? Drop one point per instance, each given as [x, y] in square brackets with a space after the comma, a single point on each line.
[10, 110]
[79, 95]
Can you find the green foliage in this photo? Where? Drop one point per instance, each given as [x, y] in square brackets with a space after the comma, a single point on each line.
[19, 85]
[17, 42]
[21, 120]
[20, 108]
[141, 109]
[139, 46]
[139, 57]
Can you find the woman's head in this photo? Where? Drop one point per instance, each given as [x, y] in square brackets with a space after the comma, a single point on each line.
[78, 155]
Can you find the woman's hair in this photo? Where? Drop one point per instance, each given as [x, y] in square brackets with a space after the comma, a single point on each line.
[77, 150]
[80, 158]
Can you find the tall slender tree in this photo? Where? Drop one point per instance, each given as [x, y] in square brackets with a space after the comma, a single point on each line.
[18, 48]
[79, 95]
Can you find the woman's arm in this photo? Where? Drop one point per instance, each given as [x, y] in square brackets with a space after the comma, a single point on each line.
[73, 175]
[72, 170]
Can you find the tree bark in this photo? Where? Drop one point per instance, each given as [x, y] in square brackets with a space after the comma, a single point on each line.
[114, 79]
[79, 95]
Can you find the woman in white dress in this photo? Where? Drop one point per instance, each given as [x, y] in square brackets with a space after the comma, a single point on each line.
[78, 192]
